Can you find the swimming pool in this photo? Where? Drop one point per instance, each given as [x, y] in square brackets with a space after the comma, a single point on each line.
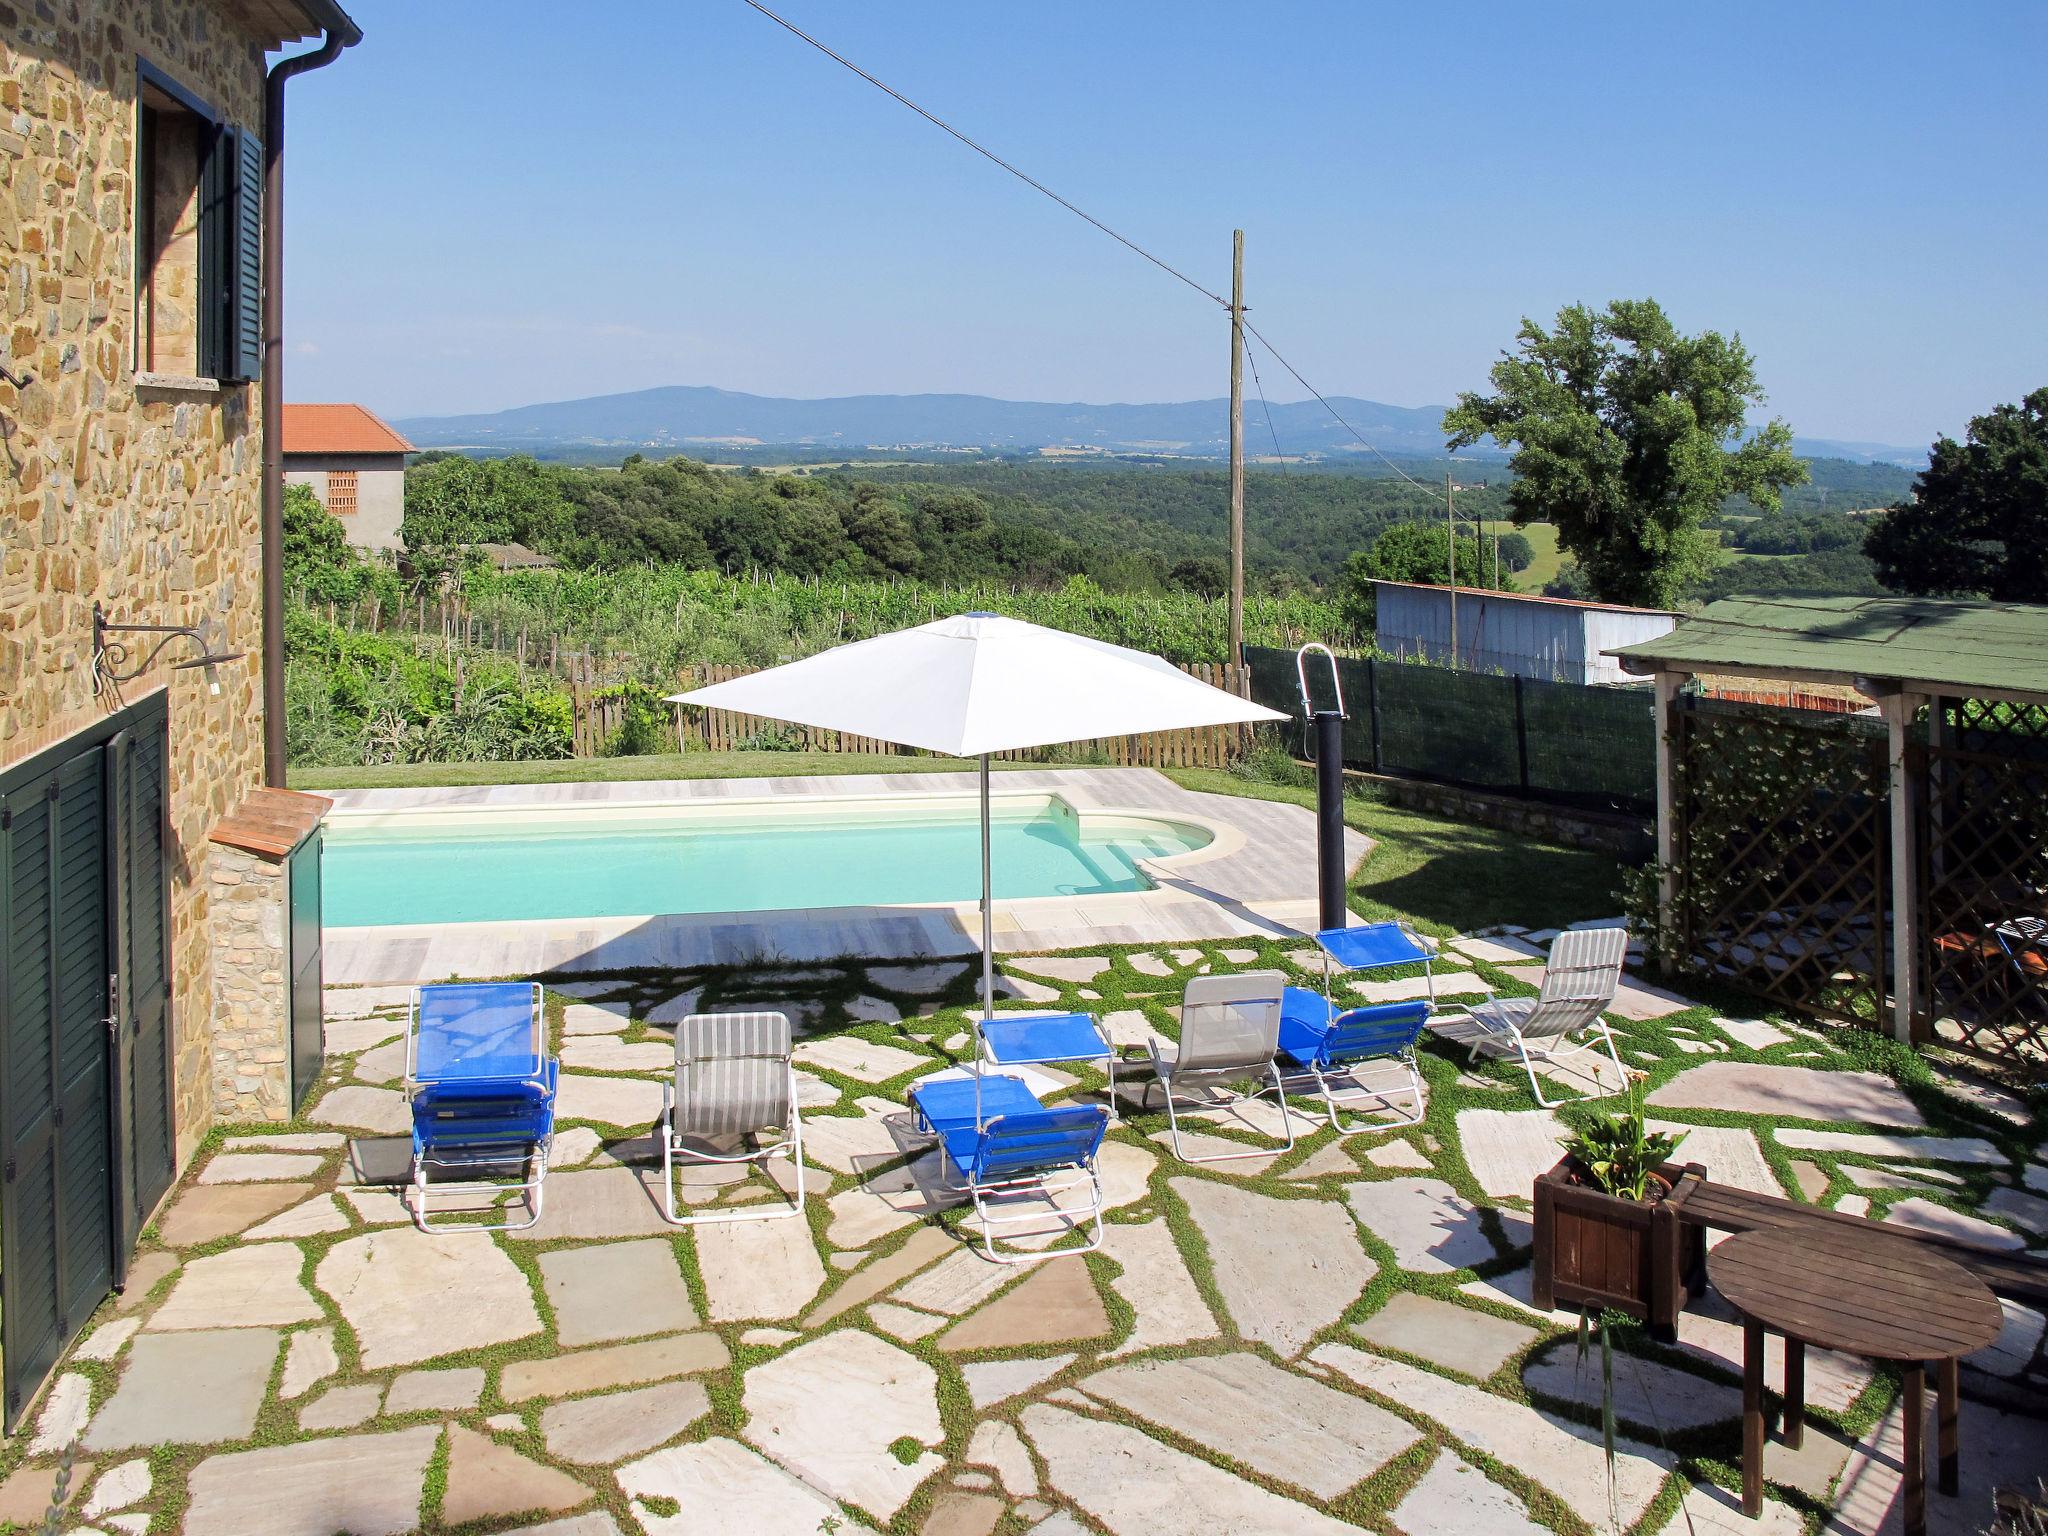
[391, 868]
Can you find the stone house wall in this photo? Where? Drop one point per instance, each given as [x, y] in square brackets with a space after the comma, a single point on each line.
[143, 496]
[249, 898]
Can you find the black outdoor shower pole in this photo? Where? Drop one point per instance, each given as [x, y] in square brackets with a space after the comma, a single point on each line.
[1333, 910]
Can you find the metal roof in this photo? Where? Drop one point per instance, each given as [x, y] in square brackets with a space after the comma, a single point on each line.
[1928, 645]
[1518, 597]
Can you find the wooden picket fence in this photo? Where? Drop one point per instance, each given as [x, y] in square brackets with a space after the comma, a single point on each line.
[599, 716]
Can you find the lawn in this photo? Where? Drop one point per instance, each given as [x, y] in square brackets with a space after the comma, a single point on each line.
[1542, 538]
[1449, 876]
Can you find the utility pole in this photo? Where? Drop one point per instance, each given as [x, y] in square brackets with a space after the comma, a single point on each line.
[1451, 527]
[1236, 657]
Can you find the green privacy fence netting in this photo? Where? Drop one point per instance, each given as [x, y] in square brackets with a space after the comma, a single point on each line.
[1568, 743]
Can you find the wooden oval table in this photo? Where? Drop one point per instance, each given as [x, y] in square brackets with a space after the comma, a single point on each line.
[1883, 1298]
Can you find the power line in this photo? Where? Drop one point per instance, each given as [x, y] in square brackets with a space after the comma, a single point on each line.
[1259, 384]
[1339, 415]
[989, 154]
[1081, 213]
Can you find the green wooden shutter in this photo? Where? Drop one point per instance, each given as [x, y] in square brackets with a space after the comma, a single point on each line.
[146, 1131]
[80, 962]
[245, 303]
[231, 256]
[55, 1129]
[28, 1106]
[216, 250]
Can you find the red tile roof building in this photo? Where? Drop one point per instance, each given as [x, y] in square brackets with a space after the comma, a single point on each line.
[355, 463]
[339, 429]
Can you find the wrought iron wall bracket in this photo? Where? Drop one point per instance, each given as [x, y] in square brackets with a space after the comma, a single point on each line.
[110, 658]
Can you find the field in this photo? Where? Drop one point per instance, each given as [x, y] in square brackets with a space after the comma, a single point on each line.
[1542, 538]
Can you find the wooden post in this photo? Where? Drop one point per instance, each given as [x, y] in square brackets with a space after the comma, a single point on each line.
[1753, 1418]
[1794, 1428]
[1913, 1496]
[1899, 709]
[1236, 447]
[1948, 1448]
[1668, 684]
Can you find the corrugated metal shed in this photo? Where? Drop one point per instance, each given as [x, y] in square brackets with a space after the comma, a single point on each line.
[1925, 645]
[1513, 634]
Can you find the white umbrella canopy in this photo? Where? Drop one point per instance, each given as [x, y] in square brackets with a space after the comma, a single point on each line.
[980, 683]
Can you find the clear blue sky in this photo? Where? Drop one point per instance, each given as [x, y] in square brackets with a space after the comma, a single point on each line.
[493, 202]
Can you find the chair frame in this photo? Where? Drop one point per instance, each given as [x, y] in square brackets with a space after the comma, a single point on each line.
[530, 1188]
[1165, 1073]
[1480, 1032]
[1320, 1069]
[980, 1191]
[672, 1149]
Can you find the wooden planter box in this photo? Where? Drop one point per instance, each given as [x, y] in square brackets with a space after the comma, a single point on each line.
[1594, 1249]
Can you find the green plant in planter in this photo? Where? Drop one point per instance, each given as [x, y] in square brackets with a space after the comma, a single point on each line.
[1620, 1151]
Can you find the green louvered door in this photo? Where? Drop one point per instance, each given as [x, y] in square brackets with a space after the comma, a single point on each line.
[145, 1137]
[57, 1251]
[86, 1138]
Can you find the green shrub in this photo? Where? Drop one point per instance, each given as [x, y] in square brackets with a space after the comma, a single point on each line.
[1270, 762]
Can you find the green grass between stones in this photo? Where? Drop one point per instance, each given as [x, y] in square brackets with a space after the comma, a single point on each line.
[1420, 867]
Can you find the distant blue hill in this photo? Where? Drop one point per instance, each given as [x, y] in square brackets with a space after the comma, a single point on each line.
[690, 418]
[696, 419]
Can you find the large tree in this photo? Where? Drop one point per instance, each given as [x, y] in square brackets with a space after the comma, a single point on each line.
[1628, 437]
[1418, 552]
[1978, 521]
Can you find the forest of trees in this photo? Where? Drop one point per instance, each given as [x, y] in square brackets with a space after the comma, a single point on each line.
[1126, 529]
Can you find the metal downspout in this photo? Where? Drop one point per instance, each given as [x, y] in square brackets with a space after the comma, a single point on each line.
[330, 49]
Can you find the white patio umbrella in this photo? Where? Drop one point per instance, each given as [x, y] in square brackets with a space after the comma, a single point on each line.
[977, 684]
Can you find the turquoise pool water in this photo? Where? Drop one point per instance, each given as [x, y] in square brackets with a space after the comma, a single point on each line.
[484, 868]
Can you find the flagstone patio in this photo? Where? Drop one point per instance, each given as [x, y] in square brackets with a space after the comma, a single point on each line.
[1328, 1339]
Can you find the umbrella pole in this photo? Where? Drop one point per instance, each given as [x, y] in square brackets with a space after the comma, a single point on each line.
[988, 917]
[988, 939]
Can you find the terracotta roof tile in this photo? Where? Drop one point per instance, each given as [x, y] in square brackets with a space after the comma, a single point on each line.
[339, 429]
[271, 822]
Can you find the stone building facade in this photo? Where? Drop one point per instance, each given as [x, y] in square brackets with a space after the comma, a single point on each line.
[128, 478]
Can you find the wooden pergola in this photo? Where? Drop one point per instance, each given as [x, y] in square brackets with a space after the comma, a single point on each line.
[1954, 681]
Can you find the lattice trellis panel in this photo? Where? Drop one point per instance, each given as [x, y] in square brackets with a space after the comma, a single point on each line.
[1784, 855]
[1984, 879]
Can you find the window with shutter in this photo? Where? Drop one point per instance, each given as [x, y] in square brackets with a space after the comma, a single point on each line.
[171, 313]
[199, 237]
[341, 492]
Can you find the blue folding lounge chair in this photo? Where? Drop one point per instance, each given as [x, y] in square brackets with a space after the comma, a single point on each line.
[734, 1078]
[1008, 1146]
[1319, 1044]
[482, 1091]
